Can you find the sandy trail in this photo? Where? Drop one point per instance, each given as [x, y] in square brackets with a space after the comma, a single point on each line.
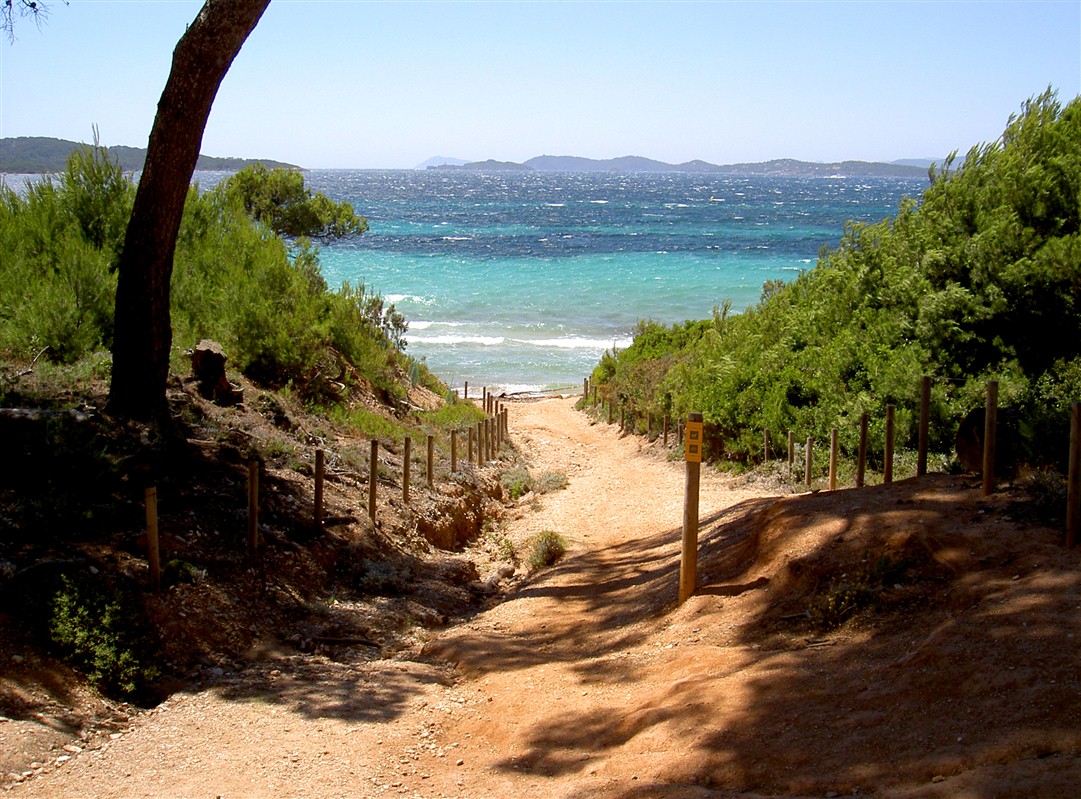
[589, 682]
[313, 727]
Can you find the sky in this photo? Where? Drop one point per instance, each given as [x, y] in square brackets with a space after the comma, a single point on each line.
[370, 84]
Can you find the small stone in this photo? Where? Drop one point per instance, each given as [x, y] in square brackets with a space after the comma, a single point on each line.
[73, 749]
[460, 763]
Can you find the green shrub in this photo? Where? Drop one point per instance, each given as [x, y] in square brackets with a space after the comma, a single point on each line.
[97, 628]
[550, 481]
[517, 482]
[545, 549]
[501, 546]
[977, 280]
[853, 592]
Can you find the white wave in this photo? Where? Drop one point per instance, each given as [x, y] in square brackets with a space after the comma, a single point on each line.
[423, 325]
[457, 238]
[394, 299]
[575, 343]
[555, 205]
[486, 341]
[599, 202]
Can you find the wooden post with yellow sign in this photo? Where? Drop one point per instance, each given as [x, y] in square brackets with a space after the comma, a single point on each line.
[688, 564]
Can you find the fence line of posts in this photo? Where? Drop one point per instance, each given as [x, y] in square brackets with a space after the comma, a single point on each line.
[989, 441]
[489, 436]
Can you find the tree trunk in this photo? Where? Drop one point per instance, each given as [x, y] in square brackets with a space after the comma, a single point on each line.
[143, 334]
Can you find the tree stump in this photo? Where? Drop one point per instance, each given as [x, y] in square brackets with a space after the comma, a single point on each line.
[208, 367]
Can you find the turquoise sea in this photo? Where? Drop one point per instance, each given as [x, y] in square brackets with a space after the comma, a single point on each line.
[520, 281]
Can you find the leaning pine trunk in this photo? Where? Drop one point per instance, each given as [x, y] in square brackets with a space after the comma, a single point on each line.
[143, 335]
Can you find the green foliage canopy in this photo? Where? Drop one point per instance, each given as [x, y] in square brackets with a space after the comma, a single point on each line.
[979, 280]
[235, 278]
[279, 199]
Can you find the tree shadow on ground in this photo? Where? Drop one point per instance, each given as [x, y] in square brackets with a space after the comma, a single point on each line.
[963, 678]
[587, 606]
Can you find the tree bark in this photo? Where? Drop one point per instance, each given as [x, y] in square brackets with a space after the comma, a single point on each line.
[142, 336]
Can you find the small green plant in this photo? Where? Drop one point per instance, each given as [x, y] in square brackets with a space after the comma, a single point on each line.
[96, 628]
[369, 424]
[501, 546]
[545, 549]
[550, 481]
[517, 481]
[847, 595]
[1046, 488]
[181, 571]
[277, 447]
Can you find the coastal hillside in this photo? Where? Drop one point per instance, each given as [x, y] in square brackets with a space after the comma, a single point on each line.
[319, 571]
[29, 155]
[788, 167]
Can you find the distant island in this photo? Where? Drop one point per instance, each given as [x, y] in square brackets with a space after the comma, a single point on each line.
[633, 163]
[30, 155]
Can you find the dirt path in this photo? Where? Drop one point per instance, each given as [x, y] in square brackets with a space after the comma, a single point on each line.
[303, 726]
[589, 682]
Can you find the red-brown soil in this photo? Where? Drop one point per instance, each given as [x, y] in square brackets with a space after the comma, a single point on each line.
[958, 674]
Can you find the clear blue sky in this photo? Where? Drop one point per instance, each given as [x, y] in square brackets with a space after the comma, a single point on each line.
[389, 84]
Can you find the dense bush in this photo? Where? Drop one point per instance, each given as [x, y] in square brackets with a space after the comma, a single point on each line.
[236, 278]
[979, 280]
[98, 628]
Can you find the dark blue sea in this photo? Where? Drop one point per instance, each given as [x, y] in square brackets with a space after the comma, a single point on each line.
[522, 280]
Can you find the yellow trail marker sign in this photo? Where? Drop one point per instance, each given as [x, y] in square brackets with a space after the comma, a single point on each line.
[693, 449]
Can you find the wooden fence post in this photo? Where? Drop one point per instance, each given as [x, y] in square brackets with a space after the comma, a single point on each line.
[594, 396]
[1073, 485]
[453, 451]
[466, 390]
[609, 411]
[808, 460]
[887, 468]
[253, 507]
[470, 450]
[320, 476]
[623, 418]
[861, 463]
[373, 479]
[480, 443]
[833, 459]
[765, 445]
[791, 451]
[925, 426]
[153, 555]
[688, 562]
[407, 467]
[431, 461]
[990, 430]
